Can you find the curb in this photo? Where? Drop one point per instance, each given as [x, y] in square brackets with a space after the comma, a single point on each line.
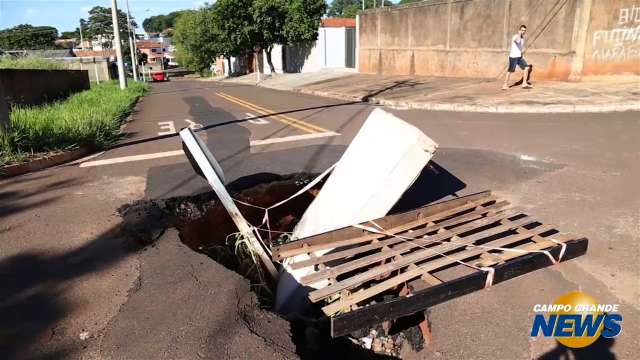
[44, 162]
[477, 108]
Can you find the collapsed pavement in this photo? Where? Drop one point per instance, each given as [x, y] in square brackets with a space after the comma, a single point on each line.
[340, 221]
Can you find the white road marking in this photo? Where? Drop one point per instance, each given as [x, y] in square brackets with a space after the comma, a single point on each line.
[126, 159]
[167, 125]
[292, 138]
[257, 121]
[193, 125]
[132, 158]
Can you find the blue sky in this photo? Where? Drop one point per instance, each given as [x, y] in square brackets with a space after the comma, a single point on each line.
[65, 14]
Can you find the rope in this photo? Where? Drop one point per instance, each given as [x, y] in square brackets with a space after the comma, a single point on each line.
[265, 219]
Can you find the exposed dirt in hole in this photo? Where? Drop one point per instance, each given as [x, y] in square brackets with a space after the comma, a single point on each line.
[205, 226]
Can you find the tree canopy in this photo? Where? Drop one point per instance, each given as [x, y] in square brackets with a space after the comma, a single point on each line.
[28, 37]
[160, 23]
[100, 23]
[234, 27]
[350, 8]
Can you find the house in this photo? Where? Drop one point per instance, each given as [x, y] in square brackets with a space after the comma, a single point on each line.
[335, 48]
[156, 51]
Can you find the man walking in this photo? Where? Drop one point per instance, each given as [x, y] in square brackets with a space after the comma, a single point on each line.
[516, 59]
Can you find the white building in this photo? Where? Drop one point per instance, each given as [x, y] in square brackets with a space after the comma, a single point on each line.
[335, 48]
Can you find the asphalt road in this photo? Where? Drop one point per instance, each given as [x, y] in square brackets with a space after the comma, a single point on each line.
[72, 285]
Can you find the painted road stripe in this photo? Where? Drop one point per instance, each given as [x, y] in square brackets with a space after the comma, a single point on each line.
[126, 159]
[283, 118]
[255, 120]
[292, 138]
[263, 112]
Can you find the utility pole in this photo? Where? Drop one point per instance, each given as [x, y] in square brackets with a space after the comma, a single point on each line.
[363, 4]
[132, 45]
[81, 39]
[116, 35]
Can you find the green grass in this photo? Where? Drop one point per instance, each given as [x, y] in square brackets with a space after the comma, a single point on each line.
[91, 117]
[29, 62]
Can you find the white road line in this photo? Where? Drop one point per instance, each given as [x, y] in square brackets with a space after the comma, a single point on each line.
[256, 121]
[126, 159]
[293, 138]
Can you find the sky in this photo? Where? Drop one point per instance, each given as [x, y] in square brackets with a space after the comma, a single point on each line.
[65, 14]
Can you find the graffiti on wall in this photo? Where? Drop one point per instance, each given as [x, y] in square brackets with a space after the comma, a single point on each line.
[620, 42]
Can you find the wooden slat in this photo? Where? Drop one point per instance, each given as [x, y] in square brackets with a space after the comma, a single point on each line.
[415, 257]
[474, 215]
[429, 266]
[372, 315]
[405, 247]
[315, 243]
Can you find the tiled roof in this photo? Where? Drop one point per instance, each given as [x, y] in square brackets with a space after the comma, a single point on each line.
[148, 44]
[95, 53]
[338, 22]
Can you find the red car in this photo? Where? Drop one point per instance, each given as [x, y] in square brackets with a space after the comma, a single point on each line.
[159, 76]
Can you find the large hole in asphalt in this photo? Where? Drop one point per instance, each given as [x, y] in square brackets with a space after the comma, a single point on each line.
[205, 226]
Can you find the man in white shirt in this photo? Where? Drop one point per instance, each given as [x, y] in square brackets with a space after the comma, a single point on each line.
[516, 59]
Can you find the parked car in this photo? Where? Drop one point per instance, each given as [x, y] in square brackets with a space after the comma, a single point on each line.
[159, 76]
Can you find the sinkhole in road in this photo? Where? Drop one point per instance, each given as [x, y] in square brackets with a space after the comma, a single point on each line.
[204, 226]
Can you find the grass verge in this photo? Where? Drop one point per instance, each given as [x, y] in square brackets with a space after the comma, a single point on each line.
[29, 62]
[91, 117]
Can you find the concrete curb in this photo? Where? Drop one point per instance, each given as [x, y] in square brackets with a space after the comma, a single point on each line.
[480, 108]
[44, 162]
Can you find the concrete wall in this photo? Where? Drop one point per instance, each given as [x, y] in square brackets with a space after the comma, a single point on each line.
[471, 38]
[327, 52]
[34, 87]
[613, 38]
[97, 67]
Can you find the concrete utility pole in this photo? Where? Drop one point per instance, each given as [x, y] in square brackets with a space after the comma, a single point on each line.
[81, 38]
[116, 36]
[132, 45]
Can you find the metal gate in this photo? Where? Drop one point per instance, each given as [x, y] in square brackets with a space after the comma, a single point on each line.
[350, 48]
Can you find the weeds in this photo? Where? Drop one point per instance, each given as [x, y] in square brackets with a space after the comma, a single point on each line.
[91, 117]
[29, 62]
[249, 266]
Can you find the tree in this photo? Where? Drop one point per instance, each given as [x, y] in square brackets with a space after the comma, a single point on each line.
[269, 19]
[196, 39]
[234, 27]
[70, 34]
[160, 23]
[350, 8]
[303, 20]
[100, 26]
[28, 37]
[402, 2]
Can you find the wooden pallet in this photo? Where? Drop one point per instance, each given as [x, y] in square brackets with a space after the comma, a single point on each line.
[431, 254]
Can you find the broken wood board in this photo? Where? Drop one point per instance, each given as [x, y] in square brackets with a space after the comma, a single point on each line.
[464, 239]
[205, 163]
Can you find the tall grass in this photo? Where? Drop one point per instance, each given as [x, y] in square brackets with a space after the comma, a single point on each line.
[30, 62]
[91, 117]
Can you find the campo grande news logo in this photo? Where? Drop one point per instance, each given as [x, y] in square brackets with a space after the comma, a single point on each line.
[576, 320]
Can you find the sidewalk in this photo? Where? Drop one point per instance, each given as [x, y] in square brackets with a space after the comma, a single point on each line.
[462, 94]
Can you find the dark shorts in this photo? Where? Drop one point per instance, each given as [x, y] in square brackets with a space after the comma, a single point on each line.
[519, 61]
